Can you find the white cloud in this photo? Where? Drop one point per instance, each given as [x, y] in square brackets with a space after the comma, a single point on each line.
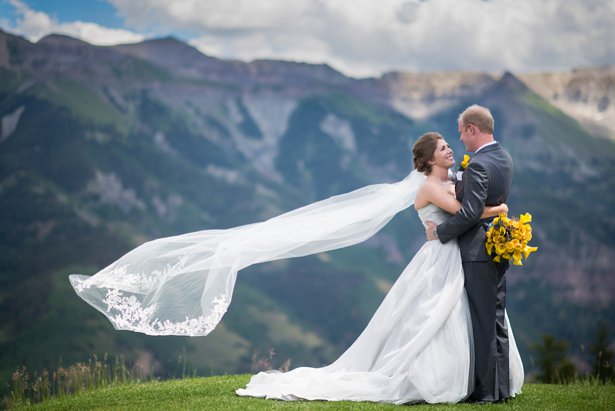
[367, 37]
[34, 24]
[364, 37]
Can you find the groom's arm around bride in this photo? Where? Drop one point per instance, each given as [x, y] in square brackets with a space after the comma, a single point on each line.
[486, 181]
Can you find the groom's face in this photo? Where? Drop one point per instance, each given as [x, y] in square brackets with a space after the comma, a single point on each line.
[466, 135]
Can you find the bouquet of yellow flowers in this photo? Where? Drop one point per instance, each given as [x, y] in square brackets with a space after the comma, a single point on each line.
[508, 237]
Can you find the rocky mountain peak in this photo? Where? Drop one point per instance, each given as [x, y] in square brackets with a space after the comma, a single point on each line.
[587, 94]
[11, 47]
[182, 59]
[508, 83]
[270, 70]
[419, 95]
[165, 49]
[62, 40]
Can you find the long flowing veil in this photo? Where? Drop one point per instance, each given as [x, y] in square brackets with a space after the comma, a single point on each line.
[183, 285]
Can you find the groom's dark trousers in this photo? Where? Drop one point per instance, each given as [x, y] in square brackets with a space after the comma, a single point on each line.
[486, 181]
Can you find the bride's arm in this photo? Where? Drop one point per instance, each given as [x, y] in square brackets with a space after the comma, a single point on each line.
[432, 193]
[494, 211]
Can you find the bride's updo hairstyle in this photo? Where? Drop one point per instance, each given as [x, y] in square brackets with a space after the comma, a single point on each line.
[423, 151]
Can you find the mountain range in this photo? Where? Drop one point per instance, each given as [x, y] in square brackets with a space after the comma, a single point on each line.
[104, 148]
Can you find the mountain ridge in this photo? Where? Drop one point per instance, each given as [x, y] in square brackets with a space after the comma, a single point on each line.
[596, 112]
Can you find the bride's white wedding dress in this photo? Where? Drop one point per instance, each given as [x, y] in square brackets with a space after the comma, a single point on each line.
[416, 348]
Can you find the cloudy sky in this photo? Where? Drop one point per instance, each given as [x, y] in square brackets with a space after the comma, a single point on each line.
[358, 37]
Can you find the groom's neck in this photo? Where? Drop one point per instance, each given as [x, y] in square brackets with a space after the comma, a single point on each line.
[482, 140]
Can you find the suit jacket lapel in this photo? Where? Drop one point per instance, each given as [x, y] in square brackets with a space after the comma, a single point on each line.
[459, 185]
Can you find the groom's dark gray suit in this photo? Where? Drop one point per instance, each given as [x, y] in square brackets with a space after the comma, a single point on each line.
[486, 181]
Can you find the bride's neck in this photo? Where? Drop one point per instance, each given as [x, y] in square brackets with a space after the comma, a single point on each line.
[439, 173]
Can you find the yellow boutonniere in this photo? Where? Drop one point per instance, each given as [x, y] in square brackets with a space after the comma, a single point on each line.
[465, 161]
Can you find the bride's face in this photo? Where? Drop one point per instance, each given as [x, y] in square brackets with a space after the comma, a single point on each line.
[443, 156]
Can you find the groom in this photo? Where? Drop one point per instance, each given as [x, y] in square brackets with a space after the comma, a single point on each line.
[486, 181]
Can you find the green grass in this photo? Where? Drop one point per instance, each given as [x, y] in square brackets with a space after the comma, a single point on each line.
[218, 393]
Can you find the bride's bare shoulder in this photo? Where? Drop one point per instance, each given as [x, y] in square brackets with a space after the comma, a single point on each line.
[424, 194]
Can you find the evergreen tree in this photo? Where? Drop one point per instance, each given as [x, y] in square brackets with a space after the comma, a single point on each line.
[603, 367]
[554, 365]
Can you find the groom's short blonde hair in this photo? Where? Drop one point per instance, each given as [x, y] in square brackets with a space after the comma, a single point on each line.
[479, 116]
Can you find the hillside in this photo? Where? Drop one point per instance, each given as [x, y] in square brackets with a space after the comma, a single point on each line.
[103, 148]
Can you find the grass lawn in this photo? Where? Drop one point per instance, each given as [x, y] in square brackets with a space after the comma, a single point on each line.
[217, 393]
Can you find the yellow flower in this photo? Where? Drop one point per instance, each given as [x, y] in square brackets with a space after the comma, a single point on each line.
[525, 218]
[466, 160]
[529, 250]
[510, 246]
[517, 259]
[489, 246]
[500, 249]
[515, 244]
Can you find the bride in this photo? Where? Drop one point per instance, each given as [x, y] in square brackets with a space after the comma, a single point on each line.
[417, 347]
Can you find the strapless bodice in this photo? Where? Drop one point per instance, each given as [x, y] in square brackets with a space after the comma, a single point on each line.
[433, 213]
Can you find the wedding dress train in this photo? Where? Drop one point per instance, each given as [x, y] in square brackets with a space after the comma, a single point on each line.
[416, 348]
